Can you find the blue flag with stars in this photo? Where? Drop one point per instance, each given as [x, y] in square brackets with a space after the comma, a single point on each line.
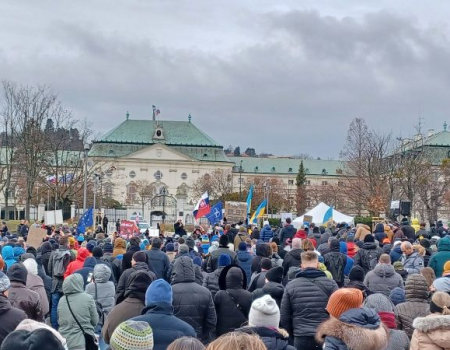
[86, 220]
[215, 215]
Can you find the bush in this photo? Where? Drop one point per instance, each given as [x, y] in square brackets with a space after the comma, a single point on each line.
[367, 220]
[275, 222]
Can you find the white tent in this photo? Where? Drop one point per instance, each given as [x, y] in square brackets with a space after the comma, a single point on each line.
[318, 213]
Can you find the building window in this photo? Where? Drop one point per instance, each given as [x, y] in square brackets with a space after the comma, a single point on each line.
[240, 180]
[290, 182]
[132, 174]
[290, 170]
[256, 169]
[184, 177]
[108, 190]
[273, 169]
[306, 170]
[324, 183]
[324, 172]
[158, 175]
[308, 182]
[131, 192]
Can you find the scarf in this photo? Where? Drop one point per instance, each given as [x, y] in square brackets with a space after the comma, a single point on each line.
[388, 318]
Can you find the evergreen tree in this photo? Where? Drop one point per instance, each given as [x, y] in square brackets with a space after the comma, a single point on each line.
[300, 182]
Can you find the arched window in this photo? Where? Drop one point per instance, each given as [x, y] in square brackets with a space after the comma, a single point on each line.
[131, 192]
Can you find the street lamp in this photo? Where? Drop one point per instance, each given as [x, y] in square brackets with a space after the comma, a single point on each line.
[164, 194]
[266, 187]
[86, 151]
[240, 182]
[97, 180]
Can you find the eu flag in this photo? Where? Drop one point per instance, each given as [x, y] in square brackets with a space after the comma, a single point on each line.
[215, 215]
[86, 220]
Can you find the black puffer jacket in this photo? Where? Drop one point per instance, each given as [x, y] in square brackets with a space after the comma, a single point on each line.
[10, 317]
[304, 301]
[232, 284]
[124, 280]
[128, 256]
[272, 338]
[46, 251]
[368, 252]
[292, 259]
[335, 262]
[193, 303]
[262, 251]
[287, 232]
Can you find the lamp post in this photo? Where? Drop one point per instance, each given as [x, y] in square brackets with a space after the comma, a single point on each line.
[266, 187]
[97, 179]
[86, 150]
[240, 182]
[164, 194]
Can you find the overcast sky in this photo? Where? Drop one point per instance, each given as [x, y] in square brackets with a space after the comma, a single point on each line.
[284, 77]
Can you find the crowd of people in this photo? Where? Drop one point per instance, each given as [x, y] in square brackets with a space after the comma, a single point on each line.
[334, 287]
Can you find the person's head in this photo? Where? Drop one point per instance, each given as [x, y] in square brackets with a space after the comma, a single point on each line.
[275, 274]
[238, 341]
[18, 273]
[139, 256]
[380, 303]
[40, 338]
[296, 243]
[264, 312]
[135, 242]
[97, 252]
[31, 266]
[369, 239]
[266, 264]
[242, 246]
[288, 221]
[132, 335]
[385, 259]
[343, 300]
[186, 343]
[397, 295]
[309, 260]
[357, 274]
[159, 291]
[266, 223]
[4, 284]
[440, 303]
[224, 241]
[183, 249]
[156, 243]
[64, 241]
[407, 248]
[274, 247]
[429, 275]
[224, 260]
[307, 245]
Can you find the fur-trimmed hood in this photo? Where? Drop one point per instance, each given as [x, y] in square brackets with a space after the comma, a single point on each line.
[358, 329]
[432, 323]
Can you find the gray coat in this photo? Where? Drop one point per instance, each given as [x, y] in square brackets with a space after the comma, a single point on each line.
[105, 288]
[413, 263]
[383, 279]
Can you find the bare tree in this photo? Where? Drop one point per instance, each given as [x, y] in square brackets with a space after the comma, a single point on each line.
[273, 188]
[145, 192]
[218, 184]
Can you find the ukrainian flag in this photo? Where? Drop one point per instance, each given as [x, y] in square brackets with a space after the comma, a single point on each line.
[249, 200]
[259, 212]
[328, 217]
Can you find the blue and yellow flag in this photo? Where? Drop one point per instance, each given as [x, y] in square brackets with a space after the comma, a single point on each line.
[328, 217]
[259, 212]
[249, 200]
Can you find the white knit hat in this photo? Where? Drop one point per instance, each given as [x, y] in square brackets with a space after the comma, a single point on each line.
[31, 266]
[264, 313]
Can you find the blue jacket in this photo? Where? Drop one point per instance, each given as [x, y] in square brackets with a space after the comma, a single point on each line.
[158, 262]
[8, 256]
[266, 233]
[396, 254]
[245, 261]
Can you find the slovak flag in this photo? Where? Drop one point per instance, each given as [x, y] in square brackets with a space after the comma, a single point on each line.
[202, 208]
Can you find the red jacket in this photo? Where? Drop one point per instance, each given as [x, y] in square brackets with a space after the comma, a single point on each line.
[83, 253]
[351, 249]
[301, 234]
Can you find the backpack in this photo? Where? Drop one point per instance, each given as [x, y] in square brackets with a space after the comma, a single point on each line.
[371, 259]
[60, 262]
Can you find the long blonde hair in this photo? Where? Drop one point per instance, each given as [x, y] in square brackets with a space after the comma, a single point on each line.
[442, 300]
[237, 341]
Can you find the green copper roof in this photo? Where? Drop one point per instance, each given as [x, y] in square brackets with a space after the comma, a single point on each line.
[439, 139]
[142, 132]
[287, 166]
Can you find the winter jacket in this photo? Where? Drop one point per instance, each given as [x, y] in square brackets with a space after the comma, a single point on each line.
[431, 333]
[273, 339]
[257, 281]
[211, 281]
[396, 254]
[46, 251]
[351, 249]
[22, 297]
[262, 251]
[383, 279]
[57, 281]
[368, 255]
[125, 278]
[245, 261]
[379, 233]
[276, 260]
[104, 293]
[35, 283]
[128, 256]
[361, 232]
[409, 232]
[438, 260]
[83, 308]
[292, 259]
[275, 290]
[266, 234]
[87, 271]
[131, 307]
[240, 237]
[171, 256]
[398, 340]
[287, 232]
[120, 247]
[416, 305]
[165, 326]
[10, 317]
[158, 262]
[193, 303]
[356, 329]
[8, 256]
[116, 267]
[304, 301]
[214, 258]
[232, 301]
[77, 264]
[413, 263]
[335, 263]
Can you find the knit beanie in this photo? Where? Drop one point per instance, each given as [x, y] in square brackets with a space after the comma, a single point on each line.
[369, 239]
[32, 250]
[18, 273]
[31, 266]
[170, 247]
[90, 246]
[397, 296]
[183, 249]
[398, 266]
[343, 300]
[357, 274]
[108, 248]
[224, 240]
[425, 243]
[4, 282]
[266, 264]
[190, 242]
[132, 335]
[446, 268]
[379, 302]
[264, 313]
[224, 260]
[40, 339]
[275, 274]
[32, 325]
[159, 291]
[97, 252]
[242, 246]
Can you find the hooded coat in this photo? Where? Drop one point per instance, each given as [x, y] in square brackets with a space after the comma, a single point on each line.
[158, 262]
[10, 317]
[213, 261]
[288, 231]
[396, 254]
[87, 271]
[416, 305]
[379, 233]
[431, 333]
[336, 262]
[273, 339]
[383, 279]
[193, 303]
[120, 247]
[438, 260]
[35, 283]
[83, 308]
[22, 297]
[266, 233]
[245, 261]
[262, 251]
[132, 306]
[125, 278]
[356, 329]
[46, 251]
[8, 256]
[105, 289]
[77, 264]
[304, 301]
[232, 301]
[292, 259]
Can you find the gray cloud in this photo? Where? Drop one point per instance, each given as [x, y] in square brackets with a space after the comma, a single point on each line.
[282, 80]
